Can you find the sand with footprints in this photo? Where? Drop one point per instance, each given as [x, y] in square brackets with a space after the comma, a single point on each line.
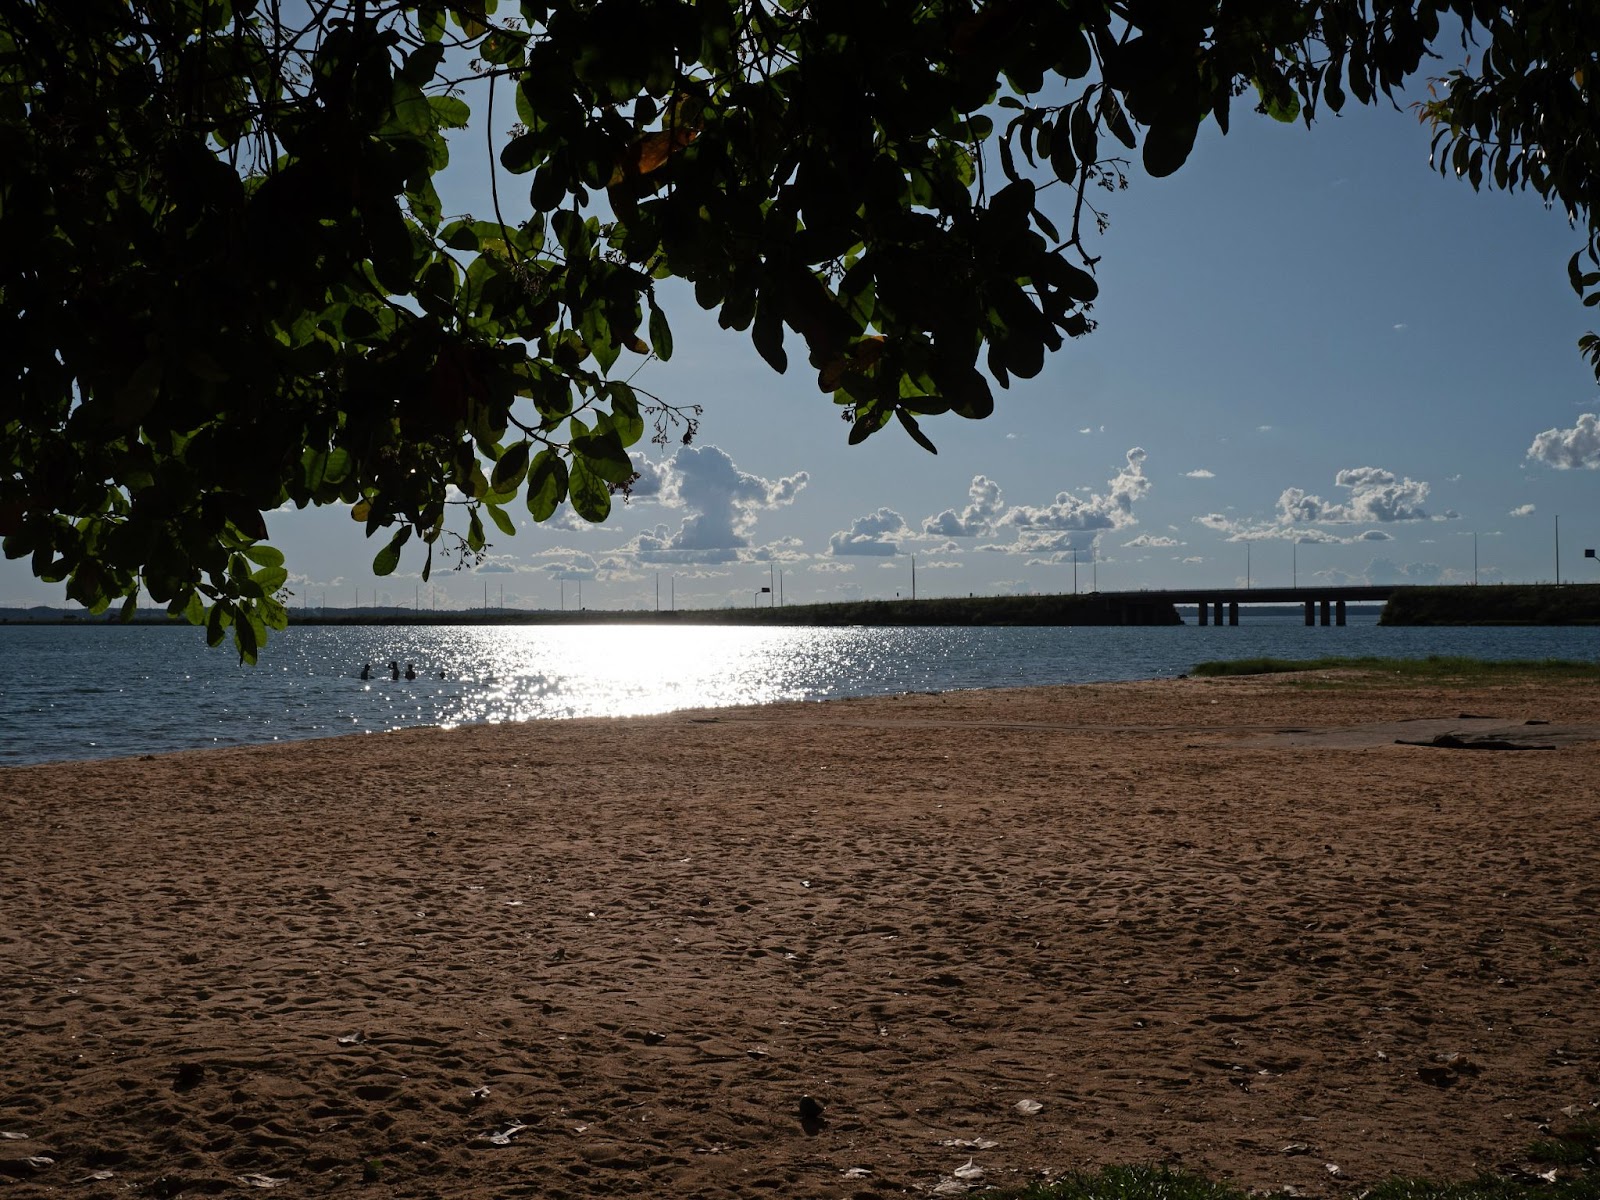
[992, 936]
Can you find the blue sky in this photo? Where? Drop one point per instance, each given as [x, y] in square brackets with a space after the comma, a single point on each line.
[1309, 343]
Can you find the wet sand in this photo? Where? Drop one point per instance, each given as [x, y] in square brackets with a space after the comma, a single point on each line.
[997, 936]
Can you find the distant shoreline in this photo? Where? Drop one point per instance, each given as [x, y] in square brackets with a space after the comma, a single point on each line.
[1493, 604]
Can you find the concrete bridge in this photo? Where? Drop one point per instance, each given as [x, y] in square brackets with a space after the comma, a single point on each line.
[1219, 606]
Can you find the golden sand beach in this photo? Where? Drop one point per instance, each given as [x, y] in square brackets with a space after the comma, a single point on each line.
[995, 936]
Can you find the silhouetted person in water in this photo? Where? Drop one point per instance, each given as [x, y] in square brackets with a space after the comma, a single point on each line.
[411, 671]
[366, 671]
[394, 669]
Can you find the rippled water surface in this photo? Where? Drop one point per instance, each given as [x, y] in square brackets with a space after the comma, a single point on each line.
[89, 691]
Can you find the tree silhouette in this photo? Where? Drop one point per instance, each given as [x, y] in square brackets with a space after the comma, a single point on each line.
[228, 283]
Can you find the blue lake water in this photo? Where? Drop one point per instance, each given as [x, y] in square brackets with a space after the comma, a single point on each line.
[69, 692]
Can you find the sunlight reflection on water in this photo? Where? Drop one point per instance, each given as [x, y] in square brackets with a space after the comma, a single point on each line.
[90, 691]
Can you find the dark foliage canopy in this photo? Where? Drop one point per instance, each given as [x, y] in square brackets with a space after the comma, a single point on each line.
[227, 283]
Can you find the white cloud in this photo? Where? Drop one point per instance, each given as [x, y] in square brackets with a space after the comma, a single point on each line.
[567, 520]
[578, 566]
[1400, 328]
[1376, 495]
[1200, 473]
[872, 535]
[652, 477]
[1113, 510]
[1148, 541]
[985, 503]
[722, 502]
[1522, 510]
[1565, 449]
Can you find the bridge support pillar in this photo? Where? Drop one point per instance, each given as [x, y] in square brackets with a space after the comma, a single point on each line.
[1311, 612]
[1202, 613]
[1338, 613]
[1233, 612]
[1325, 613]
[1219, 612]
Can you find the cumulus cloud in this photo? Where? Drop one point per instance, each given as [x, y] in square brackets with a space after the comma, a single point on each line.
[651, 478]
[1200, 473]
[1376, 496]
[1522, 510]
[984, 504]
[873, 535]
[566, 519]
[577, 566]
[1148, 541]
[1111, 510]
[722, 502]
[1283, 531]
[1565, 449]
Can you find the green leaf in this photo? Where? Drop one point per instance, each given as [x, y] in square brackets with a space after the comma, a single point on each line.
[264, 556]
[660, 334]
[915, 431]
[602, 452]
[389, 557]
[270, 579]
[625, 418]
[1167, 147]
[502, 521]
[1085, 142]
[217, 623]
[547, 484]
[767, 334]
[510, 469]
[591, 498]
[1278, 99]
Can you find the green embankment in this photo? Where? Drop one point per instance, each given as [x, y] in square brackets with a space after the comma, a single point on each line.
[1560, 1167]
[1496, 604]
[955, 610]
[1439, 667]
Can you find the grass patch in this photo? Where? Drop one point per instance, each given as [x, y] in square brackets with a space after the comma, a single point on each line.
[1434, 667]
[1577, 1146]
[1153, 1183]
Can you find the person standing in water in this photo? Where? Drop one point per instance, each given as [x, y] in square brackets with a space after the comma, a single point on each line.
[394, 669]
[366, 671]
[411, 671]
